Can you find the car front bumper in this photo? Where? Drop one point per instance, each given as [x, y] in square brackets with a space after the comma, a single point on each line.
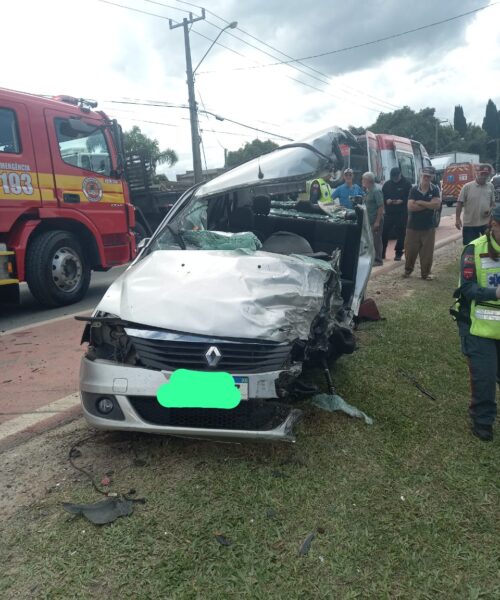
[133, 392]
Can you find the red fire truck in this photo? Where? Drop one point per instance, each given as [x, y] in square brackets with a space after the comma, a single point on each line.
[64, 202]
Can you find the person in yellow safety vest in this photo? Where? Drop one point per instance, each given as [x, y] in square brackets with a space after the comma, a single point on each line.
[478, 321]
[319, 191]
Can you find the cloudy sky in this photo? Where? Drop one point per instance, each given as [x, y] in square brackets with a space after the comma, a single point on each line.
[101, 51]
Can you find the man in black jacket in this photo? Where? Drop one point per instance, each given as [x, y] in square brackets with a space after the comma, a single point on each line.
[395, 191]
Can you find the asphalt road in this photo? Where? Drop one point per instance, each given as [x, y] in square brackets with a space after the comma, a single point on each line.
[29, 311]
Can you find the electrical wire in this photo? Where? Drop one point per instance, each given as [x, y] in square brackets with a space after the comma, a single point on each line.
[208, 120]
[336, 96]
[322, 80]
[369, 43]
[380, 101]
[218, 117]
[145, 12]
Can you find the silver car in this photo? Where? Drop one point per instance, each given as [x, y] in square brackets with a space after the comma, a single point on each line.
[246, 276]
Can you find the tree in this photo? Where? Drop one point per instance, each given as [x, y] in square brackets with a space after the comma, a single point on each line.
[406, 122]
[136, 142]
[250, 150]
[421, 126]
[459, 121]
[491, 124]
[356, 130]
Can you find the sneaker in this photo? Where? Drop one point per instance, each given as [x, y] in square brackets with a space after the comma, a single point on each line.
[398, 257]
[428, 278]
[406, 274]
[483, 432]
[378, 263]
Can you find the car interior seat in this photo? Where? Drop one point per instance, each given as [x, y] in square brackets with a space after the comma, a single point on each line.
[241, 219]
[261, 208]
[286, 242]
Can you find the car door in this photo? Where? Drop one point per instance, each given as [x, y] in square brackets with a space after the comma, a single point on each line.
[83, 161]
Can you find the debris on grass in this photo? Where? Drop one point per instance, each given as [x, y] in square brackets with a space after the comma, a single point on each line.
[306, 545]
[271, 513]
[419, 386]
[333, 402]
[105, 511]
[222, 539]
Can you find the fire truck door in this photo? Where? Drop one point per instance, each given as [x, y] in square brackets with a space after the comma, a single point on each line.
[83, 160]
[19, 181]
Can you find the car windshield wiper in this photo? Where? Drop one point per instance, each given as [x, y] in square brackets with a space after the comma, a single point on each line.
[177, 236]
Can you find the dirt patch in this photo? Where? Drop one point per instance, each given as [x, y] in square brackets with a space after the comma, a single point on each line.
[39, 470]
[393, 286]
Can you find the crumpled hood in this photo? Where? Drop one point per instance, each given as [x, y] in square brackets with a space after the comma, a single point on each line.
[236, 294]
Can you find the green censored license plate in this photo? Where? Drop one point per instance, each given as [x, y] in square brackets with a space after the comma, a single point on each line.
[198, 389]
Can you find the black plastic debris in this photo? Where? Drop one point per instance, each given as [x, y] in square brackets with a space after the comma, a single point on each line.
[278, 474]
[222, 539]
[306, 545]
[271, 513]
[105, 511]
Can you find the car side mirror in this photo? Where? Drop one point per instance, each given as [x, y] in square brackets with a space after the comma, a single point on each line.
[144, 242]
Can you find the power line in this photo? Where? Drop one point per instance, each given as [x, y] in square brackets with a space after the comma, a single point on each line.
[380, 101]
[145, 12]
[377, 41]
[218, 117]
[203, 129]
[336, 96]
[232, 50]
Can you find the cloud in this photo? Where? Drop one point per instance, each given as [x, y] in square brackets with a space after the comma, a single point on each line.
[302, 29]
[107, 53]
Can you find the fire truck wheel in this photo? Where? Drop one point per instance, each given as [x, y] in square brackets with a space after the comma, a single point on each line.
[57, 270]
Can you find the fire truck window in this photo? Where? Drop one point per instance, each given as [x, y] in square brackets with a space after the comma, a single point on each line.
[86, 150]
[9, 137]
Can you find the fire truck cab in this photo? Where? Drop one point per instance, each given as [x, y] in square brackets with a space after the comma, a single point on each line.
[64, 203]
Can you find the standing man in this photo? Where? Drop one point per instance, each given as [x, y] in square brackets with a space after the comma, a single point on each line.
[347, 190]
[478, 321]
[395, 191]
[477, 198]
[423, 200]
[374, 202]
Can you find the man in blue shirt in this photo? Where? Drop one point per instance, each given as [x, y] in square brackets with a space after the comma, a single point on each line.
[347, 190]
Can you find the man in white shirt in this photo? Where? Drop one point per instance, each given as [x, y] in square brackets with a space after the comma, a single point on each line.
[477, 198]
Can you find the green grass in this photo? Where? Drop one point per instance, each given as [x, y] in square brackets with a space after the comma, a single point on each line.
[407, 508]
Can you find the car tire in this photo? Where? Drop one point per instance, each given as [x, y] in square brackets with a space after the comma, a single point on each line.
[57, 269]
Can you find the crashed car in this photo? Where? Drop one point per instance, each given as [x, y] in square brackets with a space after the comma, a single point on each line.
[245, 276]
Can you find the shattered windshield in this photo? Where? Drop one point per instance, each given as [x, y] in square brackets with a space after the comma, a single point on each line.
[202, 225]
[222, 214]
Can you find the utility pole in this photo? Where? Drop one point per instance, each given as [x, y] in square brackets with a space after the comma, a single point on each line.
[193, 109]
[438, 123]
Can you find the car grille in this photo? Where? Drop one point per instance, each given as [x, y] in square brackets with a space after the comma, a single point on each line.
[235, 357]
[247, 416]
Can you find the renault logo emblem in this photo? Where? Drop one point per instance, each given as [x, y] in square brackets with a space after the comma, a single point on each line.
[213, 356]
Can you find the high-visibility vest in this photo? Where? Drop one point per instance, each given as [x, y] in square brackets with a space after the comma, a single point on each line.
[325, 189]
[485, 316]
